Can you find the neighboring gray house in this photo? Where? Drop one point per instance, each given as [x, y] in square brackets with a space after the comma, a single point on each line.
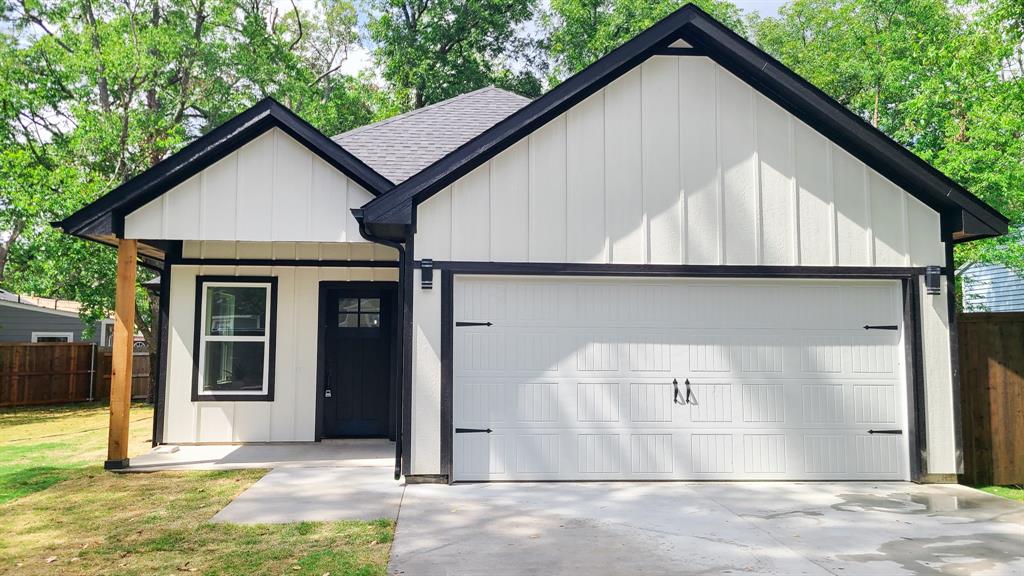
[29, 319]
[991, 288]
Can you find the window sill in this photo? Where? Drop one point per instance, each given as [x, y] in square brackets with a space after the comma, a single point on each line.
[232, 397]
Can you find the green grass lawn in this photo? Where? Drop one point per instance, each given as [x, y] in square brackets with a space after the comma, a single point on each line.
[1008, 492]
[60, 513]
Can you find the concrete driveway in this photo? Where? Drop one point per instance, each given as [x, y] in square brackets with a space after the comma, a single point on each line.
[598, 529]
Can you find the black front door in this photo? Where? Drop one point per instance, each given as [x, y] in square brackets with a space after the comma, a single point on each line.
[356, 362]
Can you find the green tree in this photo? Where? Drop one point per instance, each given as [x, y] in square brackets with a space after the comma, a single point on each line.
[97, 91]
[431, 50]
[943, 78]
[581, 31]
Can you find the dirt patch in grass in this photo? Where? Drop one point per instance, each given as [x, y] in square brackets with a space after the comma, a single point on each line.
[104, 523]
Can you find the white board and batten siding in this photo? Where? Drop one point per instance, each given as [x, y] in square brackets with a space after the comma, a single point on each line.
[678, 162]
[291, 415]
[271, 189]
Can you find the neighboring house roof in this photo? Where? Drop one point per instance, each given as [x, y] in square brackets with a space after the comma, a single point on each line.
[103, 219]
[991, 288]
[390, 215]
[403, 145]
[46, 305]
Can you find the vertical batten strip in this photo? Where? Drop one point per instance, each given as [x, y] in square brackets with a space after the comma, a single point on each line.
[645, 253]
[203, 185]
[905, 223]
[867, 214]
[794, 189]
[719, 186]
[679, 153]
[758, 210]
[830, 179]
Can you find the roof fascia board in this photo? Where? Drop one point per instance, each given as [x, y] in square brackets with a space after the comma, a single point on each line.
[106, 214]
[41, 309]
[394, 207]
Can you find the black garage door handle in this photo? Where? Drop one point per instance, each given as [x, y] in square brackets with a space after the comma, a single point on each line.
[473, 430]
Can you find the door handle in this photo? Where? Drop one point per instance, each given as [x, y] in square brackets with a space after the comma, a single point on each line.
[885, 431]
[473, 430]
[676, 394]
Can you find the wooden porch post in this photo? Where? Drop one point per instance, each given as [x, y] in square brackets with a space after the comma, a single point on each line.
[121, 372]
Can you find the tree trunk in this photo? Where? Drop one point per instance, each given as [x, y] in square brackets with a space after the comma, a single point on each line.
[5, 248]
[104, 92]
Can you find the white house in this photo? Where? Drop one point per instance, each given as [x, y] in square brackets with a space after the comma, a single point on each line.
[684, 262]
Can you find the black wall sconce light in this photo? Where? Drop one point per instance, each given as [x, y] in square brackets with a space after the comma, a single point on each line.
[932, 274]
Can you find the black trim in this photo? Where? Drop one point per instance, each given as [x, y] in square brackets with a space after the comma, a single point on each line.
[389, 212]
[272, 344]
[954, 352]
[405, 328]
[325, 287]
[680, 51]
[663, 270]
[407, 362]
[159, 402]
[115, 464]
[908, 278]
[304, 263]
[106, 215]
[447, 372]
[917, 437]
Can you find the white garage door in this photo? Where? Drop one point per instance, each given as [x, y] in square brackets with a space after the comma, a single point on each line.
[574, 379]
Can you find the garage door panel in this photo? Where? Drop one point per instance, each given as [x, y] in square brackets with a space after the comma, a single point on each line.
[784, 384]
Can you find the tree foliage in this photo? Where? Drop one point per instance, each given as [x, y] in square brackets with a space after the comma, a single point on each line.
[432, 50]
[581, 31]
[97, 91]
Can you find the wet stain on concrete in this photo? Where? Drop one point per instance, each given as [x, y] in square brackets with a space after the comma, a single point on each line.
[969, 507]
[790, 514]
[948, 556]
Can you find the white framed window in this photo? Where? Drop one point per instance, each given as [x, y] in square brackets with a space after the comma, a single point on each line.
[233, 355]
[53, 336]
[106, 332]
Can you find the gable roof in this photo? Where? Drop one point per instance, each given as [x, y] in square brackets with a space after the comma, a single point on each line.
[405, 144]
[966, 217]
[103, 219]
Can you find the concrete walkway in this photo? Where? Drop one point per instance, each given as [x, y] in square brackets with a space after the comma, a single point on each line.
[293, 494]
[679, 529]
[323, 481]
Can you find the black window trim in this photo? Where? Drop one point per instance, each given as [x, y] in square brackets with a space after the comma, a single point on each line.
[271, 344]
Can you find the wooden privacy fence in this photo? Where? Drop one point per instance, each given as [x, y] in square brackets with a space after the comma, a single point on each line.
[61, 372]
[992, 397]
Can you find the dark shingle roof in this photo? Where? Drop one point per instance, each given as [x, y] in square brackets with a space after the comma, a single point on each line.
[403, 145]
